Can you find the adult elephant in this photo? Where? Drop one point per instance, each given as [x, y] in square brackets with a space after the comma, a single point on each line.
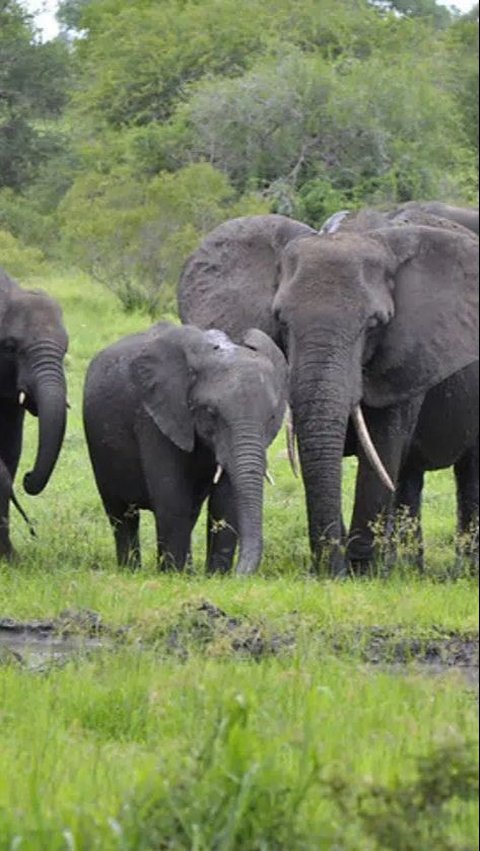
[177, 415]
[33, 343]
[379, 317]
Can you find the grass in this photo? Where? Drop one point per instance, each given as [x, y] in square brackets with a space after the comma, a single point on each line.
[143, 749]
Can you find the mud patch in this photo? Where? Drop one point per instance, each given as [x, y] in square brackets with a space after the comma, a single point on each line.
[202, 627]
[435, 654]
[40, 644]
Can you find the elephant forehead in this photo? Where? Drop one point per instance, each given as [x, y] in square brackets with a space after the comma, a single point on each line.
[221, 342]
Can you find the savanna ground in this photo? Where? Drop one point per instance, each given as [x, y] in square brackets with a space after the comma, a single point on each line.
[278, 712]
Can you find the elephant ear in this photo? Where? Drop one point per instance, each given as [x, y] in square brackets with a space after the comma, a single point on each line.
[162, 374]
[259, 342]
[229, 282]
[434, 331]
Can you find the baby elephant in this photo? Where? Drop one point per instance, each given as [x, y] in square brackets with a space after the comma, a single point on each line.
[176, 415]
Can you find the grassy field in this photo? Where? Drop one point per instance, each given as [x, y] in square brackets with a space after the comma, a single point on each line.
[228, 714]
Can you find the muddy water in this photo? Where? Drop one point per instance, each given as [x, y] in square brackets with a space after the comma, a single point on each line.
[41, 645]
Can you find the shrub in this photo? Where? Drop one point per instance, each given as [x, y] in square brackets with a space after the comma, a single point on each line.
[134, 235]
[18, 260]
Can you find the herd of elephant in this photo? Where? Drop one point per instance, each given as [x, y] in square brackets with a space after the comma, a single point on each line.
[365, 331]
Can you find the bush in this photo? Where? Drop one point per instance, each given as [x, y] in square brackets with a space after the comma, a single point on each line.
[18, 260]
[134, 235]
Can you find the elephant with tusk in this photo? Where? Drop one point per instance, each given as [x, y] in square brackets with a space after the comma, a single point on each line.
[175, 416]
[372, 318]
[33, 344]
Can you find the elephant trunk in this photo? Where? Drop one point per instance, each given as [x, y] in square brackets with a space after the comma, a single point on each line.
[322, 391]
[247, 470]
[50, 394]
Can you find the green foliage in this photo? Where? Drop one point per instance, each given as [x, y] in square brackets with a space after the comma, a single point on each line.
[461, 42]
[33, 80]
[317, 135]
[139, 57]
[18, 260]
[415, 814]
[134, 235]
[315, 104]
[440, 15]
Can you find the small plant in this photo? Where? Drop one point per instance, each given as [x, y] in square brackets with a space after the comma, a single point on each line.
[398, 541]
[232, 797]
[417, 814]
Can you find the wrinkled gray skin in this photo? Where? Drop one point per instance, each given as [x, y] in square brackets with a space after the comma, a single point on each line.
[429, 213]
[33, 342]
[161, 410]
[379, 317]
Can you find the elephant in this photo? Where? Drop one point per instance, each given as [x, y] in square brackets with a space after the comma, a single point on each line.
[33, 344]
[431, 213]
[378, 317]
[457, 398]
[446, 435]
[7, 496]
[174, 416]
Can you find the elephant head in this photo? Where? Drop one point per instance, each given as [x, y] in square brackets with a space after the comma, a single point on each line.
[33, 343]
[200, 387]
[378, 317]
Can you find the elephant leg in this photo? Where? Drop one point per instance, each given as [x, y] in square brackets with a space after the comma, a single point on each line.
[11, 422]
[11, 427]
[221, 527]
[391, 430]
[174, 533]
[408, 511]
[466, 476]
[125, 522]
[6, 549]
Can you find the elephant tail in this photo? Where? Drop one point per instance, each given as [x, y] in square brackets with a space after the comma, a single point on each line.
[23, 513]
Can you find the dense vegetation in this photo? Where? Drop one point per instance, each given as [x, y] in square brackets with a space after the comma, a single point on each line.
[302, 718]
[149, 122]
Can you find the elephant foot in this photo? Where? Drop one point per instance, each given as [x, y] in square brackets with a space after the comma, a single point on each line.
[219, 563]
[330, 563]
[7, 553]
[467, 555]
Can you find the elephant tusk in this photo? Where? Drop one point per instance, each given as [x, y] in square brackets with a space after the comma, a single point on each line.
[290, 432]
[218, 474]
[21, 398]
[269, 478]
[369, 448]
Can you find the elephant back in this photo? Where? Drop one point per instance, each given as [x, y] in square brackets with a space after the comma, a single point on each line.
[230, 281]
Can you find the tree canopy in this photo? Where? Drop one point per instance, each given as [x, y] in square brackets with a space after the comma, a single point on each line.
[297, 106]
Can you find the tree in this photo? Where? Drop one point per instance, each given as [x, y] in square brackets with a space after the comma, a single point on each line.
[439, 14]
[33, 80]
[133, 236]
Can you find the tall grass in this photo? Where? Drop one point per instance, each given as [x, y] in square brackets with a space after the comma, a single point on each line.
[138, 749]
